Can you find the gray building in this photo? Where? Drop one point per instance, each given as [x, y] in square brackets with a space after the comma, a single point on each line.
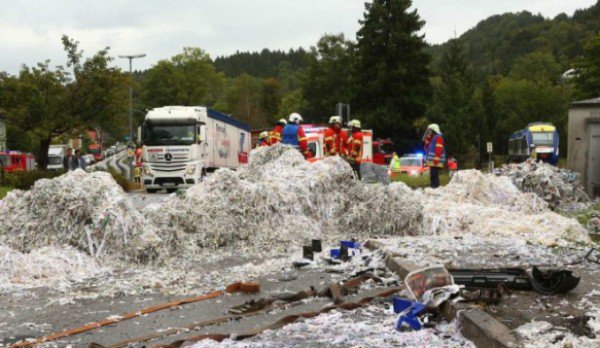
[584, 143]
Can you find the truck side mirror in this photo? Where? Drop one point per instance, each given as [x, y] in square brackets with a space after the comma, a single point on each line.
[201, 133]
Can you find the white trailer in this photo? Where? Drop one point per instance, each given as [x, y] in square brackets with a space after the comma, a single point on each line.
[183, 143]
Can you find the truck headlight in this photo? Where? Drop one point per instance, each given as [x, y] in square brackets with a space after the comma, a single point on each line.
[191, 170]
[147, 171]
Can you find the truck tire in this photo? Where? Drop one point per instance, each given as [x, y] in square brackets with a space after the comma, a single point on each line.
[151, 190]
[171, 190]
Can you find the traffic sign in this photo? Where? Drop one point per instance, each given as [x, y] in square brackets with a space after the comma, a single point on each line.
[490, 147]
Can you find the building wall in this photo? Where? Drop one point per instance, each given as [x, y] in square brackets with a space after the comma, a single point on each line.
[578, 140]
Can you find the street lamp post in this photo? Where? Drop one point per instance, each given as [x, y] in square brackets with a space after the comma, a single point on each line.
[131, 58]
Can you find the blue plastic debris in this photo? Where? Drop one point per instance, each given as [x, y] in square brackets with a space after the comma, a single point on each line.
[335, 253]
[350, 244]
[408, 312]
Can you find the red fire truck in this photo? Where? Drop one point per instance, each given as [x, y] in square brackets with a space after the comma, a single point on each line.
[97, 151]
[16, 161]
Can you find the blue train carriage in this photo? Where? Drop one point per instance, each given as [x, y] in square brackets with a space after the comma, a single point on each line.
[544, 138]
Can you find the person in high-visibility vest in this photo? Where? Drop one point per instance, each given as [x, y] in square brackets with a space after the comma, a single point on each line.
[355, 146]
[435, 152]
[275, 134]
[263, 139]
[394, 166]
[335, 137]
[533, 152]
[294, 135]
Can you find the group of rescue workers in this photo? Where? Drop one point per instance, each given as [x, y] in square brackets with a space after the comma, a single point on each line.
[338, 143]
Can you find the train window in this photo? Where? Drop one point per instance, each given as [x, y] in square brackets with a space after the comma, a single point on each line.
[542, 138]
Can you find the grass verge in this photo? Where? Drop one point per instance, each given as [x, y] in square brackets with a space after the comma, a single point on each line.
[420, 181]
[4, 190]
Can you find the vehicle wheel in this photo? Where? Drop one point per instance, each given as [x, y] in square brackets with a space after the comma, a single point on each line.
[171, 190]
[151, 190]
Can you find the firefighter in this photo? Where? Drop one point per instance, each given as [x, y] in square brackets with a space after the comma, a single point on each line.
[294, 135]
[263, 139]
[335, 137]
[394, 166]
[435, 153]
[355, 146]
[275, 134]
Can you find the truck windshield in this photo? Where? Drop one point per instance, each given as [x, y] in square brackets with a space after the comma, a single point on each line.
[386, 148]
[53, 159]
[164, 134]
[542, 138]
[5, 159]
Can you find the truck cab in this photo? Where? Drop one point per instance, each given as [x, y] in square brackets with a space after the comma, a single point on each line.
[181, 144]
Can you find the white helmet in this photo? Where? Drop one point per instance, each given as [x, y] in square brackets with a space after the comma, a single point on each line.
[282, 122]
[354, 124]
[434, 127]
[335, 119]
[263, 135]
[295, 118]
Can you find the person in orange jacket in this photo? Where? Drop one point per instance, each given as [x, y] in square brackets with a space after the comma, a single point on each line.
[355, 146]
[435, 153]
[335, 137]
[275, 134]
[294, 135]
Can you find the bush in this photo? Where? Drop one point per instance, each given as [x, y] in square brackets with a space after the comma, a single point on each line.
[25, 180]
[119, 178]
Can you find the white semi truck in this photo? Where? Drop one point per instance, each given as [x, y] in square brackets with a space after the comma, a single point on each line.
[183, 143]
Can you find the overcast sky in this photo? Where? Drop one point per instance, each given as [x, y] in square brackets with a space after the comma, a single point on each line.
[30, 30]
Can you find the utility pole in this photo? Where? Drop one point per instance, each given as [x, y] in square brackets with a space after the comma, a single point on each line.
[131, 58]
[340, 107]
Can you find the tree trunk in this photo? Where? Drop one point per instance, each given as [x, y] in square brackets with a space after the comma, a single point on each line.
[42, 156]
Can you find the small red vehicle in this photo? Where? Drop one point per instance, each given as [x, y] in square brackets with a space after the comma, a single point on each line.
[16, 161]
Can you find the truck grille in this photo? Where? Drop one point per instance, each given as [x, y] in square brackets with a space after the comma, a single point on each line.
[167, 167]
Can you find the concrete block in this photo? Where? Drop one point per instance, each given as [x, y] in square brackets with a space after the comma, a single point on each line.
[484, 330]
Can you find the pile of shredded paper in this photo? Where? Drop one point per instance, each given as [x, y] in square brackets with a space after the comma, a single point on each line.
[88, 211]
[281, 198]
[276, 203]
[557, 186]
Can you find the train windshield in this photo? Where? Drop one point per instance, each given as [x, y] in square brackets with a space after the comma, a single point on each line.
[543, 138]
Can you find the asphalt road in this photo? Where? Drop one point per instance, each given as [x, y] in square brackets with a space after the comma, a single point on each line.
[27, 314]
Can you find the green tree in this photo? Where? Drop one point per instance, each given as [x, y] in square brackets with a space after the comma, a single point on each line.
[588, 70]
[537, 66]
[292, 102]
[271, 98]
[49, 103]
[328, 78]
[189, 78]
[391, 73]
[456, 105]
[243, 99]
